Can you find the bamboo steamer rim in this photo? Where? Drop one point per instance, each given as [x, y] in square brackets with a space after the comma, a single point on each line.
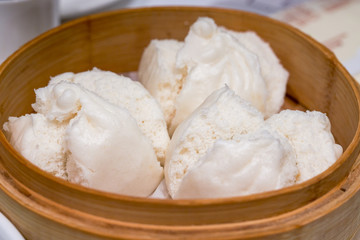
[309, 214]
[191, 202]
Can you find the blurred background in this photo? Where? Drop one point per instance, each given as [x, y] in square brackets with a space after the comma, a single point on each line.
[334, 23]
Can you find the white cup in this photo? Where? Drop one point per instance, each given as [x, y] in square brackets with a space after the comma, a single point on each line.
[22, 20]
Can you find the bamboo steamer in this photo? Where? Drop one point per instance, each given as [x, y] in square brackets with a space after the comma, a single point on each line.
[44, 207]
